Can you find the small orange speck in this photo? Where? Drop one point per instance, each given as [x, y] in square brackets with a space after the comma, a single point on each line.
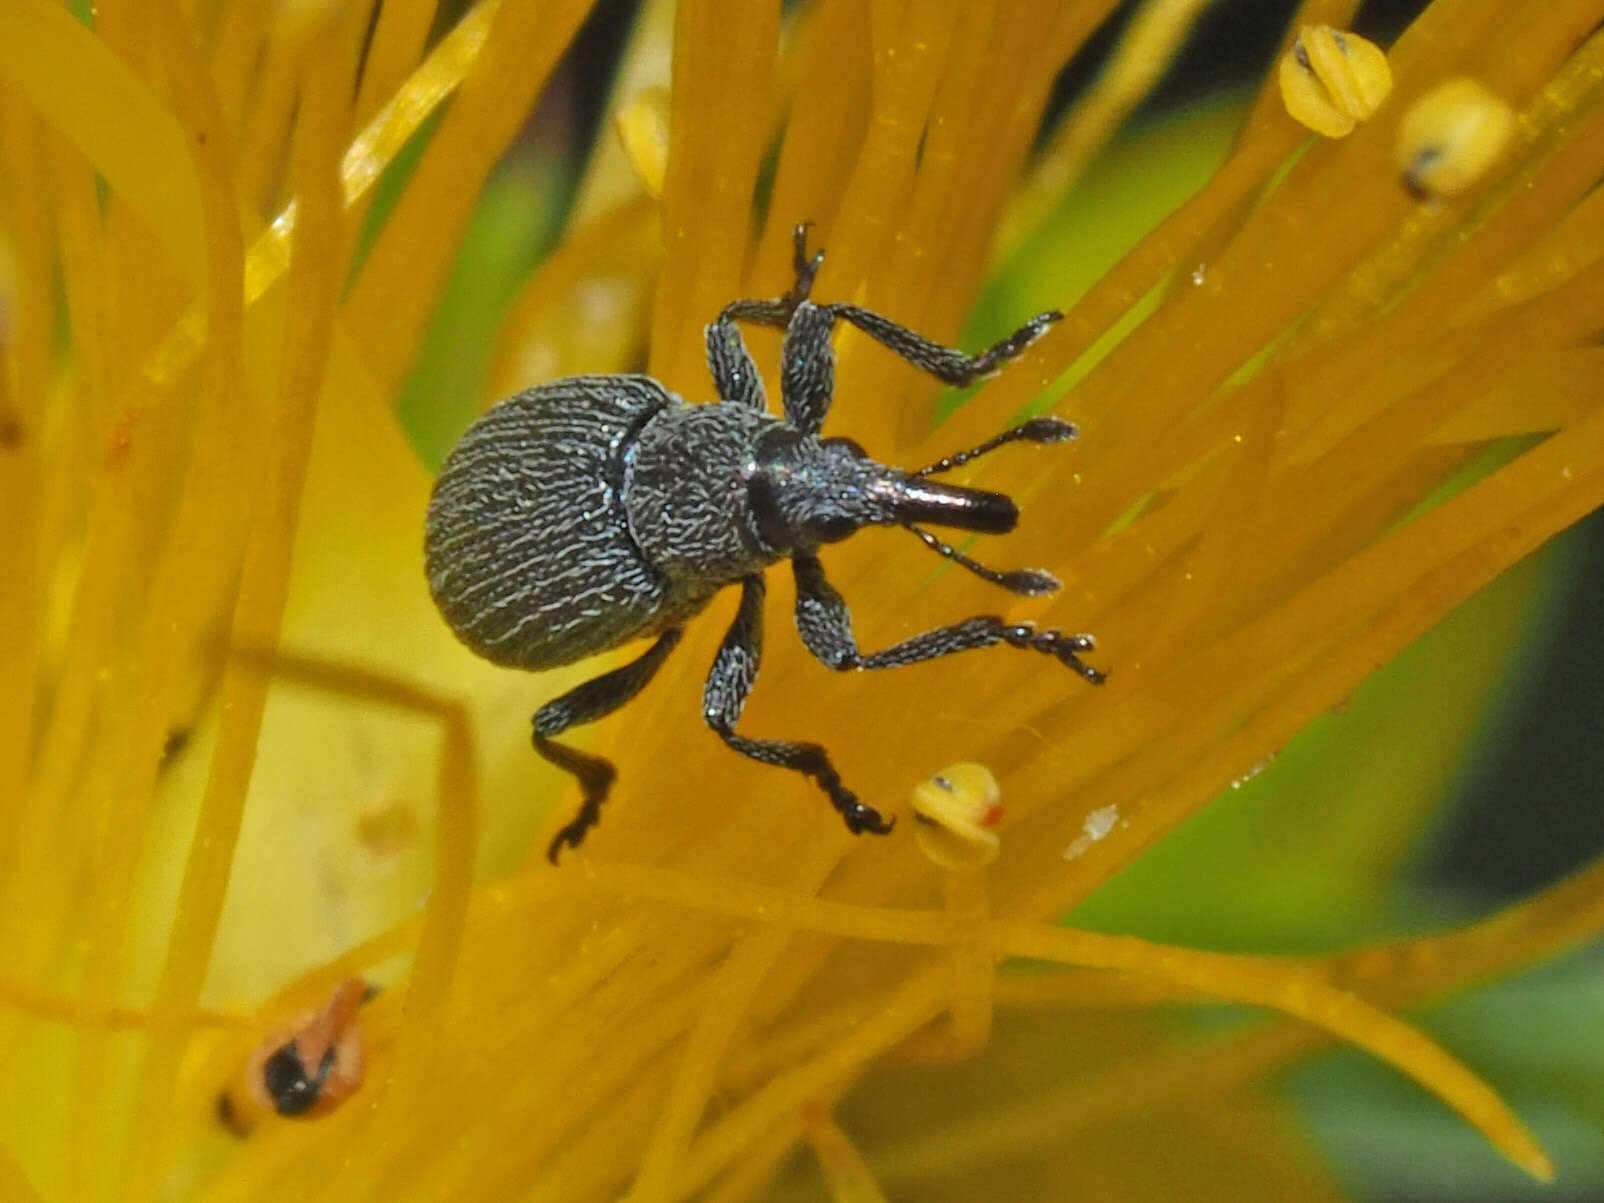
[387, 830]
[119, 440]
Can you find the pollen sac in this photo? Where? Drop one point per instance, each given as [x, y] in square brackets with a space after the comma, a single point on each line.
[304, 1069]
[957, 810]
[642, 125]
[1331, 80]
[1451, 137]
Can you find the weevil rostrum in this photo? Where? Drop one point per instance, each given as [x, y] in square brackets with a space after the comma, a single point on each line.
[583, 514]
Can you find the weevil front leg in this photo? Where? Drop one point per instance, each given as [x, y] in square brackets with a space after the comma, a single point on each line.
[583, 704]
[807, 361]
[825, 624]
[735, 376]
[728, 686]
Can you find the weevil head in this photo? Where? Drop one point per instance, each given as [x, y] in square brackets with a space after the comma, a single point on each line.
[804, 491]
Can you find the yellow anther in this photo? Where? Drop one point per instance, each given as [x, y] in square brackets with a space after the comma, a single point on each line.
[1451, 136]
[1332, 79]
[957, 810]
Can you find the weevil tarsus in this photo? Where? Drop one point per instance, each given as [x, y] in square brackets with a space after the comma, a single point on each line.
[585, 703]
[728, 686]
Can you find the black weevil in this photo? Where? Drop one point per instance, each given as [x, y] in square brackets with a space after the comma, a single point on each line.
[579, 515]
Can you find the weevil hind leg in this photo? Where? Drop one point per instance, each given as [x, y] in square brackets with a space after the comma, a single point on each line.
[595, 777]
[585, 703]
[728, 686]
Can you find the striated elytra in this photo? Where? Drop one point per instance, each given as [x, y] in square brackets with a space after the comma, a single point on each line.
[595, 510]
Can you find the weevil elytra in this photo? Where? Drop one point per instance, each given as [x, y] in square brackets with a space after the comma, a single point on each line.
[582, 514]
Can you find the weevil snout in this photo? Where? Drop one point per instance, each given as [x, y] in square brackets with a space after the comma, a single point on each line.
[920, 500]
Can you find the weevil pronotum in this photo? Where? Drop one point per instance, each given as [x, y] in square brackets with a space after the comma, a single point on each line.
[582, 514]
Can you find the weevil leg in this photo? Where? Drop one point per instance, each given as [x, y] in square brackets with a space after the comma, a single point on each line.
[807, 362]
[947, 364]
[586, 703]
[728, 686]
[735, 375]
[825, 624]
[807, 367]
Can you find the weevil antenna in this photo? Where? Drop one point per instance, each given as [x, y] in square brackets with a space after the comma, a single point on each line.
[1037, 430]
[1032, 582]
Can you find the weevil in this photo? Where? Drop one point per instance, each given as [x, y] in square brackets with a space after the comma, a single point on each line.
[583, 514]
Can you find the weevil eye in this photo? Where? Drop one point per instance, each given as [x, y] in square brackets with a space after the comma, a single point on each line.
[800, 498]
[830, 528]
